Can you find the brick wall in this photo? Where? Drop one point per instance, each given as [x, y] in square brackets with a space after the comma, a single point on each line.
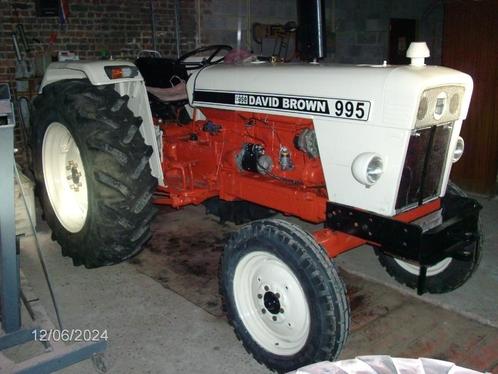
[96, 25]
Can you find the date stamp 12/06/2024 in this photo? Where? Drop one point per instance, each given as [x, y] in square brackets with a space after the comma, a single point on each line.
[69, 335]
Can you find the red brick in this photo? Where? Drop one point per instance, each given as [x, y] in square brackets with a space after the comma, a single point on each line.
[94, 25]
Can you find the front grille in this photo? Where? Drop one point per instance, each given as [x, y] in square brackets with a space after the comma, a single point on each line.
[424, 166]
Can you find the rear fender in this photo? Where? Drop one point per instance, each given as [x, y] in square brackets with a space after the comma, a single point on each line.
[133, 87]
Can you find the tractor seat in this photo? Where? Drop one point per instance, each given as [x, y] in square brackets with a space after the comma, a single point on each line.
[159, 71]
[175, 93]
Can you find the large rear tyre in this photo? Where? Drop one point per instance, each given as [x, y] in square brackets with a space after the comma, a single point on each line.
[283, 296]
[92, 171]
[445, 276]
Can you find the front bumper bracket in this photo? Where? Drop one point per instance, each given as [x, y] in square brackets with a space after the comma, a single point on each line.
[455, 237]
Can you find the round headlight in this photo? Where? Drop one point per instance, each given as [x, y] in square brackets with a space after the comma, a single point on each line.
[422, 108]
[375, 169]
[459, 147]
[440, 105]
[367, 168]
[454, 103]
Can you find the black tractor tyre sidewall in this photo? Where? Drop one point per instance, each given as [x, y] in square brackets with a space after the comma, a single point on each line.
[451, 278]
[116, 226]
[454, 276]
[324, 340]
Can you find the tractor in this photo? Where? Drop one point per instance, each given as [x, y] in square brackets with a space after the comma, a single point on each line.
[365, 151]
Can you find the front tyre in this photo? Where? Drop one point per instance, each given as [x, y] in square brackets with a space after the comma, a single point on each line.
[283, 295]
[92, 172]
[445, 276]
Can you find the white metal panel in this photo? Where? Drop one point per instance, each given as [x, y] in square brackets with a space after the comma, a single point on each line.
[457, 126]
[393, 93]
[303, 80]
[404, 86]
[340, 142]
[93, 70]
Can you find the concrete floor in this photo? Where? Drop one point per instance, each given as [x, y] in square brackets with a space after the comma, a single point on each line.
[476, 299]
[162, 315]
[151, 329]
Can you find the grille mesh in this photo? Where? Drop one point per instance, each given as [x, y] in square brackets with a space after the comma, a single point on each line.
[424, 166]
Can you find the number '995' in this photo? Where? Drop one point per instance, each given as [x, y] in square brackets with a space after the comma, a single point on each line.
[352, 109]
[69, 335]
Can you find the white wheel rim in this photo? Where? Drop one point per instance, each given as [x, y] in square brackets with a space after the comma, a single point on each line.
[261, 278]
[64, 177]
[431, 270]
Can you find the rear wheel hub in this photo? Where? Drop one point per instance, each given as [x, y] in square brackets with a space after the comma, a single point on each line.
[64, 177]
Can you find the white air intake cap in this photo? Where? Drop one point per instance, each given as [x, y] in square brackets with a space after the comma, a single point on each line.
[418, 52]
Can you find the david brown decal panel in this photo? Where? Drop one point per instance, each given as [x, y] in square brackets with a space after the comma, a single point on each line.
[339, 108]
[285, 103]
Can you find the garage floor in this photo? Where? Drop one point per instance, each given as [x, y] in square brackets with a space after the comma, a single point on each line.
[477, 299]
[162, 311]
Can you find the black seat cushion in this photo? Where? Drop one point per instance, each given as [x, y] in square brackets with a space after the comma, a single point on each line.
[157, 72]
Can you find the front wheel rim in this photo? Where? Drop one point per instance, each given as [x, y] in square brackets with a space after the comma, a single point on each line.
[271, 303]
[431, 270]
[64, 177]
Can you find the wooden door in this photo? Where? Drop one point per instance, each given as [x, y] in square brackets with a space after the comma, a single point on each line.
[470, 44]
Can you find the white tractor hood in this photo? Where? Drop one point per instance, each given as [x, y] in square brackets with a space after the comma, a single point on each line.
[355, 110]
[392, 91]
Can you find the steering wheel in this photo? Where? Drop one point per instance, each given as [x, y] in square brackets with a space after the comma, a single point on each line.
[216, 48]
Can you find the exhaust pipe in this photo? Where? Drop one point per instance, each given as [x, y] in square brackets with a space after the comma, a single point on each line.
[311, 30]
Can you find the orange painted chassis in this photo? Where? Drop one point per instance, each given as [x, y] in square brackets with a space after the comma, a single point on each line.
[199, 163]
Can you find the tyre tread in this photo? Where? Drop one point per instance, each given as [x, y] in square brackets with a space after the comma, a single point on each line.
[123, 209]
[323, 274]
